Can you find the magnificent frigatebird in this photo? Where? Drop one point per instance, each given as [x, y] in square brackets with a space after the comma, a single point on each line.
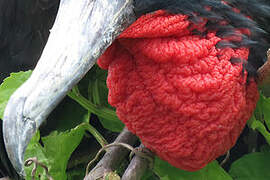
[79, 37]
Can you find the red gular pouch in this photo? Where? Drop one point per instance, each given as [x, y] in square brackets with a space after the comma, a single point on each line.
[177, 91]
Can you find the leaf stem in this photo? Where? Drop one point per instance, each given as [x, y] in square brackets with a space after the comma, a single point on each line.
[99, 111]
[259, 126]
[101, 140]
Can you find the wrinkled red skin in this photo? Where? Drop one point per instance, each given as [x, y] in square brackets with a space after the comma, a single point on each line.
[176, 91]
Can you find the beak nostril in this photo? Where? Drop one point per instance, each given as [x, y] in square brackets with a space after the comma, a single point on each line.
[25, 119]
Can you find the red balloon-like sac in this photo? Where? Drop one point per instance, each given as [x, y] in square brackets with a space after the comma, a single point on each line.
[177, 91]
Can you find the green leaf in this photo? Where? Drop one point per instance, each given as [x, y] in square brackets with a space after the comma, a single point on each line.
[99, 92]
[9, 85]
[266, 110]
[96, 101]
[34, 149]
[99, 111]
[254, 166]
[262, 111]
[212, 171]
[68, 114]
[77, 173]
[251, 120]
[259, 126]
[265, 148]
[261, 116]
[112, 124]
[258, 112]
[150, 175]
[55, 152]
[265, 89]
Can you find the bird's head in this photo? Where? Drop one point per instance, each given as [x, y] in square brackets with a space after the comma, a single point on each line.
[83, 30]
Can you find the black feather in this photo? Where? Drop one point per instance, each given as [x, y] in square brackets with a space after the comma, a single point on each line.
[253, 15]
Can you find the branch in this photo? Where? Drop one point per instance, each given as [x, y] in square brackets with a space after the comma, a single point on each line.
[5, 178]
[113, 157]
[138, 165]
[264, 72]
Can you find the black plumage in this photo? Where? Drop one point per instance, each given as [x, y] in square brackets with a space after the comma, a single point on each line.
[253, 15]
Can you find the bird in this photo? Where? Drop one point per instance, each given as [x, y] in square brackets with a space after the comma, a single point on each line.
[24, 30]
[237, 29]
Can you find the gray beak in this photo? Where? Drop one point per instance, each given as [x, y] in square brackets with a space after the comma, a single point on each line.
[82, 32]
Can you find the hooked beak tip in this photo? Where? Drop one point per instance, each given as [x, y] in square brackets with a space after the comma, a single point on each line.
[17, 132]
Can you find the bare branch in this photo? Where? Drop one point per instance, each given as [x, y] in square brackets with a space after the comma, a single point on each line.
[113, 157]
[227, 157]
[138, 165]
[264, 72]
[5, 178]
